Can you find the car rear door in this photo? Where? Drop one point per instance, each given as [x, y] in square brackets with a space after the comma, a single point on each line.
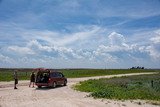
[61, 78]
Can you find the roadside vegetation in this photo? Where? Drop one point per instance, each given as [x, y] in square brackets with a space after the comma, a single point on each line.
[145, 87]
[23, 74]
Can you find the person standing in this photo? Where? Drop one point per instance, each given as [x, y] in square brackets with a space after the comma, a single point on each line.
[32, 79]
[15, 79]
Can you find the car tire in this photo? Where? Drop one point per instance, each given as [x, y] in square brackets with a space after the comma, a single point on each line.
[65, 83]
[39, 86]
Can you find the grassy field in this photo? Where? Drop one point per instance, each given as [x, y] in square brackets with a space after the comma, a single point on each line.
[100, 72]
[23, 74]
[146, 87]
[7, 74]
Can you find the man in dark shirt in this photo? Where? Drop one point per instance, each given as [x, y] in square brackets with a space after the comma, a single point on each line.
[32, 79]
[15, 79]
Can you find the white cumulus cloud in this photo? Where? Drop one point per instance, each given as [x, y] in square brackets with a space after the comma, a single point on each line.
[20, 50]
[156, 39]
[5, 59]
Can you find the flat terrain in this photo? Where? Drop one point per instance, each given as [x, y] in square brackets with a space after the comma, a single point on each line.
[24, 74]
[59, 97]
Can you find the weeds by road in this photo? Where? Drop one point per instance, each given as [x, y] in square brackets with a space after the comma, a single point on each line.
[146, 87]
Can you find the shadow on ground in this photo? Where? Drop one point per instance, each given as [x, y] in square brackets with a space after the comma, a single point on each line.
[49, 88]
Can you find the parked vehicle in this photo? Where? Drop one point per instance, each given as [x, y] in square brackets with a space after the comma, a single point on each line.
[46, 77]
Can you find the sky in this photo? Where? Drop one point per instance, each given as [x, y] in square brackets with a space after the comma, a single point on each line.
[79, 33]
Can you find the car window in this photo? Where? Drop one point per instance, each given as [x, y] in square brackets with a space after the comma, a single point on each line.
[53, 74]
[56, 74]
[60, 75]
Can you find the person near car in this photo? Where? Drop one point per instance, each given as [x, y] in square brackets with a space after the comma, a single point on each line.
[32, 79]
[15, 79]
[45, 78]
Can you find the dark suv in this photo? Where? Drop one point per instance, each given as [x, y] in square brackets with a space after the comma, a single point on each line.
[50, 78]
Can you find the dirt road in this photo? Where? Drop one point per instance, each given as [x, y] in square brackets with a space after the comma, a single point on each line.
[58, 97]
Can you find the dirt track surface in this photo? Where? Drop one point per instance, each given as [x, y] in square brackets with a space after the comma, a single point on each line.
[58, 97]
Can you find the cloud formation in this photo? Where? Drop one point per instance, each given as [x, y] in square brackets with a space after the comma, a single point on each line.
[115, 50]
[75, 33]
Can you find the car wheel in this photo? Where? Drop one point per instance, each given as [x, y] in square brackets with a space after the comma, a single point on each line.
[54, 84]
[65, 83]
[39, 86]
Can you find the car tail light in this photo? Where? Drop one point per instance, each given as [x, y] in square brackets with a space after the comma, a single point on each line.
[49, 79]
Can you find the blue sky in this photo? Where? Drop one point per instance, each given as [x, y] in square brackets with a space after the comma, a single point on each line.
[80, 33]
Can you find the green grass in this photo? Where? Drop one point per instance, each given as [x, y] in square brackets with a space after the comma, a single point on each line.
[7, 74]
[132, 87]
[101, 72]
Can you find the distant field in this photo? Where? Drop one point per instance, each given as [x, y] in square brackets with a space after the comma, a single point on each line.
[146, 87]
[23, 74]
[7, 74]
[101, 72]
